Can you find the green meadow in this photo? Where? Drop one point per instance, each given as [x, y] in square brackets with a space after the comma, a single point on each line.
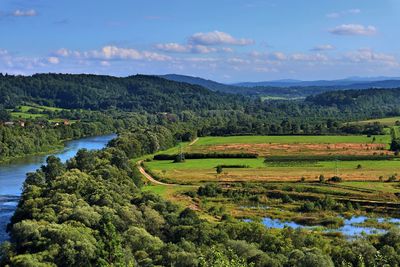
[327, 139]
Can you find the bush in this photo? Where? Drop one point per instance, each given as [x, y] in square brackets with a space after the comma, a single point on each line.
[336, 179]
[322, 178]
[308, 207]
[209, 190]
[286, 199]
[179, 158]
[392, 178]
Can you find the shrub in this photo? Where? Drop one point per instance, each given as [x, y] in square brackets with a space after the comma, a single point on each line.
[179, 158]
[209, 190]
[336, 179]
[308, 207]
[286, 199]
[322, 178]
[392, 178]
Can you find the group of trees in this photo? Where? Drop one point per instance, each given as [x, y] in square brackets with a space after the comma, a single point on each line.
[18, 141]
[90, 211]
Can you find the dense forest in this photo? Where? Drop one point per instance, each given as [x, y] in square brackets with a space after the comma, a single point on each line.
[90, 211]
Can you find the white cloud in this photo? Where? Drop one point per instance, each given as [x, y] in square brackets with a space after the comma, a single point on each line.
[3, 52]
[217, 38]
[339, 14]
[173, 47]
[105, 63]
[24, 13]
[368, 55]
[189, 48]
[202, 49]
[277, 56]
[309, 57]
[325, 47]
[53, 60]
[354, 29]
[111, 52]
[227, 49]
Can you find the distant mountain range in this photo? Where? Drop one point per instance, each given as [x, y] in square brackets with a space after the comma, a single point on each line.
[342, 82]
[289, 88]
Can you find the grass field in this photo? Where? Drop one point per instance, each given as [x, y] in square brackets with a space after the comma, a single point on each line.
[384, 121]
[293, 145]
[280, 188]
[201, 170]
[23, 112]
[23, 115]
[26, 108]
[291, 139]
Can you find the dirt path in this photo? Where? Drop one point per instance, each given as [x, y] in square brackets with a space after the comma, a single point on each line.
[148, 176]
[192, 205]
[194, 141]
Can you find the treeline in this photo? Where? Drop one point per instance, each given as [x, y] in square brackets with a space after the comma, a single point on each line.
[90, 212]
[31, 139]
[206, 156]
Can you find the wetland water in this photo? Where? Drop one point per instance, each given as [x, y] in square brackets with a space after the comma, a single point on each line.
[12, 174]
[352, 227]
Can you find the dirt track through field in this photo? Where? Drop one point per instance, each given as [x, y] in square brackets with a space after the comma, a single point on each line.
[148, 176]
[194, 141]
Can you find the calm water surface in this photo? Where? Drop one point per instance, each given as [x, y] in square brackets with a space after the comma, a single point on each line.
[12, 175]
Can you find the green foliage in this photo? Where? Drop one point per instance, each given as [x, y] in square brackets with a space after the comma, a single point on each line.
[336, 179]
[209, 190]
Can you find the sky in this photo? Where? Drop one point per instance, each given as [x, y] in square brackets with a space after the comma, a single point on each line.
[223, 40]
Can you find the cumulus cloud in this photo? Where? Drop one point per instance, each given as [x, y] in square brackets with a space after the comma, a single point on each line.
[277, 56]
[354, 29]
[189, 48]
[217, 38]
[339, 14]
[53, 60]
[369, 55]
[173, 47]
[309, 57]
[325, 47]
[24, 13]
[111, 52]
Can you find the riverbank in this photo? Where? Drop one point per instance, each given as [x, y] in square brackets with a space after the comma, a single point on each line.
[13, 173]
[47, 150]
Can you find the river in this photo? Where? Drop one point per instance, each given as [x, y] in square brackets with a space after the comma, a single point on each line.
[12, 174]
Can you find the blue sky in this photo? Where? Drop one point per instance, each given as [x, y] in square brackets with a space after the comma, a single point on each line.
[223, 40]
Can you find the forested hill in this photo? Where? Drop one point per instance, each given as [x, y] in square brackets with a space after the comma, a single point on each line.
[134, 93]
[209, 84]
[287, 89]
[359, 99]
